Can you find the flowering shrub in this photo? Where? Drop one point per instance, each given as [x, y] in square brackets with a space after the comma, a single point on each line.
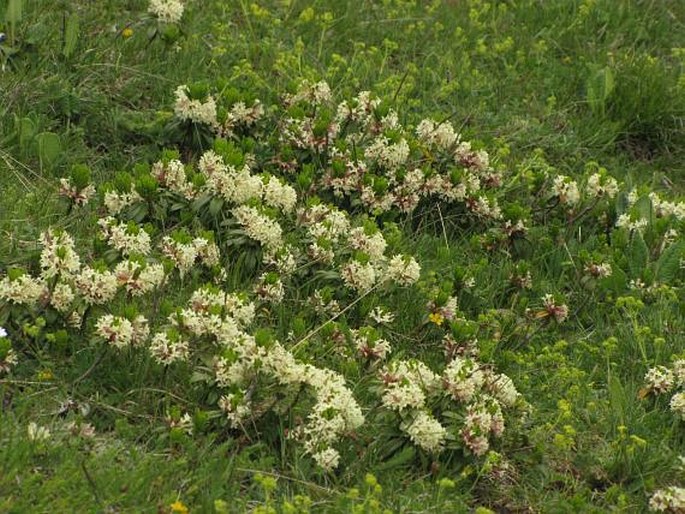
[194, 261]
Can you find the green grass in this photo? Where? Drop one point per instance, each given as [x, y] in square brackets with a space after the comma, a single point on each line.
[546, 87]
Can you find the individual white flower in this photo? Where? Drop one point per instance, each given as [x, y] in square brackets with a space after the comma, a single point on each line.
[426, 431]
[441, 135]
[279, 195]
[371, 244]
[601, 270]
[37, 433]
[168, 11]
[566, 190]
[270, 288]
[23, 290]
[115, 201]
[502, 388]
[626, 221]
[183, 255]
[358, 276]
[678, 404]
[76, 195]
[381, 316]
[462, 378]
[679, 371]
[403, 270]
[259, 227]
[671, 499]
[598, 186]
[172, 175]
[8, 357]
[369, 345]
[196, 111]
[235, 408]
[390, 155]
[62, 296]
[116, 330]
[659, 379]
[138, 278]
[127, 238]
[327, 459]
[95, 286]
[58, 256]
[168, 347]
[558, 311]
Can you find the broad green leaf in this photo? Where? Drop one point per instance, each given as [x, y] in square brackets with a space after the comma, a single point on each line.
[49, 148]
[616, 282]
[617, 397]
[26, 130]
[215, 206]
[599, 87]
[638, 255]
[14, 11]
[669, 262]
[401, 458]
[644, 208]
[71, 33]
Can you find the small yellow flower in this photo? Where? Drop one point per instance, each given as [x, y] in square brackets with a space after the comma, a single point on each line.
[436, 318]
[178, 507]
[127, 32]
[45, 375]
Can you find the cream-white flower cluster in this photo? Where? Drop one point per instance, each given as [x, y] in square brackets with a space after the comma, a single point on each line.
[260, 226]
[369, 343]
[414, 391]
[116, 201]
[243, 359]
[8, 357]
[553, 309]
[184, 255]
[172, 175]
[194, 110]
[662, 380]
[240, 115]
[58, 258]
[566, 190]
[79, 196]
[127, 238]
[168, 11]
[23, 289]
[121, 332]
[601, 186]
[670, 499]
[138, 277]
[383, 172]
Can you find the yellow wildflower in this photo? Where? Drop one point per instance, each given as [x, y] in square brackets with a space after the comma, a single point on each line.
[179, 507]
[127, 32]
[436, 318]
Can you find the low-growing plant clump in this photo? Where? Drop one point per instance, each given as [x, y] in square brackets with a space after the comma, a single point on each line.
[293, 284]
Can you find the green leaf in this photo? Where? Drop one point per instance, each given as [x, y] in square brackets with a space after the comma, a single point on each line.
[26, 129]
[215, 206]
[14, 11]
[669, 262]
[616, 282]
[617, 397]
[49, 148]
[71, 33]
[644, 208]
[401, 458]
[638, 255]
[599, 87]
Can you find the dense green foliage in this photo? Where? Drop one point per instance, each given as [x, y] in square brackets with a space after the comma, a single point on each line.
[527, 154]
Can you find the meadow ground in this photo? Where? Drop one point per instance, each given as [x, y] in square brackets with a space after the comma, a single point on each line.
[233, 318]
